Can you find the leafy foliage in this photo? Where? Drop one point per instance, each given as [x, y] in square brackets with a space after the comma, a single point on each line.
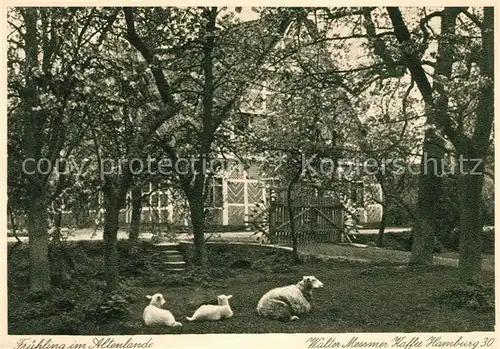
[87, 84]
[411, 305]
[470, 296]
[111, 307]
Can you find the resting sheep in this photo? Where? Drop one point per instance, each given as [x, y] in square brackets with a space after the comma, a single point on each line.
[210, 312]
[154, 315]
[285, 303]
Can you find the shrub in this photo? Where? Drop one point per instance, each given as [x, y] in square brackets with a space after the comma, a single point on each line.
[64, 324]
[211, 276]
[452, 241]
[33, 310]
[222, 255]
[43, 305]
[397, 241]
[64, 304]
[470, 296]
[489, 240]
[277, 263]
[392, 241]
[240, 264]
[110, 307]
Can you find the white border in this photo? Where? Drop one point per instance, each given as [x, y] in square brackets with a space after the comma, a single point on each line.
[224, 340]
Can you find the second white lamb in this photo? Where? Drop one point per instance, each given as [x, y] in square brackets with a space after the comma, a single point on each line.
[154, 315]
[210, 312]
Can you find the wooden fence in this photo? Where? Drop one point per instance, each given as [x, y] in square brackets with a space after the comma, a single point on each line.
[317, 219]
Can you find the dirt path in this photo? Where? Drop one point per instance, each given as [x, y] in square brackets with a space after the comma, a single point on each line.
[90, 234]
[368, 254]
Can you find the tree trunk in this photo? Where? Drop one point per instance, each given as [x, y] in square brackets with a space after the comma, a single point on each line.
[34, 128]
[430, 184]
[474, 148]
[114, 200]
[196, 208]
[60, 260]
[291, 216]
[471, 223]
[57, 226]
[110, 236]
[38, 244]
[135, 222]
[13, 226]
[471, 227]
[429, 198]
[381, 229]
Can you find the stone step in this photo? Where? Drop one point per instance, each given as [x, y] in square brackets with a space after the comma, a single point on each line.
[175, 270]
[167, 246]
[175, 264]
[170, 254]
[174, 252]
[174, 258]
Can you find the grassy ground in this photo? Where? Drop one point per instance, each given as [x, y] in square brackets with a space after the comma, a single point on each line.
[383, 255]
[357, 297]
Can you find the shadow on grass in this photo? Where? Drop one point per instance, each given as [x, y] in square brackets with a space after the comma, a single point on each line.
[357, 297]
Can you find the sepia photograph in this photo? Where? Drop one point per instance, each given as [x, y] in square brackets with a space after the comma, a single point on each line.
[250, 170]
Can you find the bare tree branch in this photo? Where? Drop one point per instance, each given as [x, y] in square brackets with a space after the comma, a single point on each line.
[161, 82]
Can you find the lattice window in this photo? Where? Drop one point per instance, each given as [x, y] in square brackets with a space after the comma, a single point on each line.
[163, 199]
[215, 193]
[237, 173]
[236, 215]
[253, 172]
[235, 193]
[154, 199]
[357, 193]
[145, 201]
[254, 193]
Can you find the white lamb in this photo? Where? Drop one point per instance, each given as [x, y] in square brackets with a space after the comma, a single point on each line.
[285, 303]
[154, 315]
[210, 312]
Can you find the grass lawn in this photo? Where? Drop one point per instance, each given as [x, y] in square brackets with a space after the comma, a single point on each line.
[357, 297]
[374, 254]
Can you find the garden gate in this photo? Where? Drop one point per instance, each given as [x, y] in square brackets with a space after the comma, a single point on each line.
[317, 217]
